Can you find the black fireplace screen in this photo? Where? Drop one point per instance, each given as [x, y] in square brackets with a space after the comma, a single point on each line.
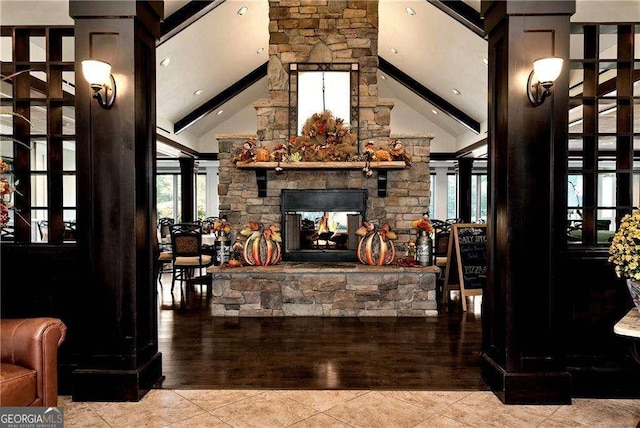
[320, 225]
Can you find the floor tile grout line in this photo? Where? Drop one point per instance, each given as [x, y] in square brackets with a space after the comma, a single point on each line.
[313, 390]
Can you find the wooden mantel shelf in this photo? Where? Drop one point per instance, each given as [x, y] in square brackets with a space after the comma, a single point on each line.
[322, 165]
[261, 169]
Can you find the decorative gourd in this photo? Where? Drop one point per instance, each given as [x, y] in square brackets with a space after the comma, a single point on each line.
[262, 247]
[376, 247]
[262, 154]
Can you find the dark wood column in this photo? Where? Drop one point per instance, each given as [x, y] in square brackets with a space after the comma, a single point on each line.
[116, 323]
[188, 189]
[527, 179]
[465, 166]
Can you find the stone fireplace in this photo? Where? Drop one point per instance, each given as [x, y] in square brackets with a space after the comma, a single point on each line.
[330, 32]
[323, 31]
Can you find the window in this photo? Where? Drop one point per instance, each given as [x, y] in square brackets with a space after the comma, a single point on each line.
[452, 195]
[201, 195]
[478, 198]
[168, 196]
[432, 195]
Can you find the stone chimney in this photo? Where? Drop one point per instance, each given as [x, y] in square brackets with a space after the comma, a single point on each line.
[323, 31]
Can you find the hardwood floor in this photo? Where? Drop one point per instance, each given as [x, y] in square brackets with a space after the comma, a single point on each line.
[200, 351]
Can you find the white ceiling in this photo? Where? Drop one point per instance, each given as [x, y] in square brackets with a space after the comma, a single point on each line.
[220, 48]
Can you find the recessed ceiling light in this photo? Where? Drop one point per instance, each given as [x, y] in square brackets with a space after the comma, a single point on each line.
[259, 50]
[410, 11]
[219, 112]
[434, 111]
[383, 77]
[485, 61]
[243, 10]
[394, 51]
[455, 91]
[165, 62]
[198, 92]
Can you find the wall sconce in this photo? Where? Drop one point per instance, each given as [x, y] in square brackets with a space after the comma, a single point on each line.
[545, 70]
[98, 74]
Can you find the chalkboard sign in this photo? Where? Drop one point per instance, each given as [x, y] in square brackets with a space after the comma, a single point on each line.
[466, 261]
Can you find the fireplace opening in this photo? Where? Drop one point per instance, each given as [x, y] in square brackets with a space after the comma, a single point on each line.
[320, 225]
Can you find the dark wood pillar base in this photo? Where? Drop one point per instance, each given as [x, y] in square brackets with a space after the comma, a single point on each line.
[116, 385]
[526, 388]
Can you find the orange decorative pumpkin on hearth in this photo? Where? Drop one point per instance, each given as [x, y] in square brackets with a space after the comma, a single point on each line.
[262, 154]
[376, 247]
[262, 247]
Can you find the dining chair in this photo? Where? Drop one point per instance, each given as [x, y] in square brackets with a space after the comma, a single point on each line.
[164, 227]
[7, 233]
[189, 257]
[208, 224]
[69, 230]
[165, 257]
[43, 230]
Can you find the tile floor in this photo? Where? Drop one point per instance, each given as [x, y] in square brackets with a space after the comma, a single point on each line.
[344, 408]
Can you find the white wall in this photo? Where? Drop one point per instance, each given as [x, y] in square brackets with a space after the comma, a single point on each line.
[607, 11]
[185, 138]
[213, 201]
[440, 190]
[243, 122]
[469, 138]
[405, 120]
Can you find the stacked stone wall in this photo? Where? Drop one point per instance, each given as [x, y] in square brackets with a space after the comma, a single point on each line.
[408, 190]
[308, 290]
[323, 31]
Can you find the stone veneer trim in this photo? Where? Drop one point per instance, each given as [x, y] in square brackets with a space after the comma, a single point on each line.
[336, 290]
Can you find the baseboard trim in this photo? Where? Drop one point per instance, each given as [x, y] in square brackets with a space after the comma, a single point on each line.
[116, 385]
[526, 388]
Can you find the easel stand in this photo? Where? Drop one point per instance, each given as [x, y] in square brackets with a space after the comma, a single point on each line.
[466, 267]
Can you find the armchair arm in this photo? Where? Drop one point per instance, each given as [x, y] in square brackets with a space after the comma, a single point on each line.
[34, 343]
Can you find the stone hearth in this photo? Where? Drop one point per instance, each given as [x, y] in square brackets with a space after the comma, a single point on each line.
[329, 290]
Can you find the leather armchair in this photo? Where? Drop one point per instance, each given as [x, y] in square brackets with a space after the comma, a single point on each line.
[29, 361]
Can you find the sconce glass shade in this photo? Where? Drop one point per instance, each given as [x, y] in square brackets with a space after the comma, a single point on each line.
[547, 69]
[96, 72]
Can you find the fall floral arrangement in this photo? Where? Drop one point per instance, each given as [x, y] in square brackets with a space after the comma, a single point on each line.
[423, 224]
[624, 251]
[221, 225]
[325, 138]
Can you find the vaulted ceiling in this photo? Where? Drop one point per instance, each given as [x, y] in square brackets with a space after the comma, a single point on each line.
[220, 48]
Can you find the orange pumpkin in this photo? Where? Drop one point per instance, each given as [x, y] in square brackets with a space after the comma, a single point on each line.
[260, 250]
[376, 249]
[262, 154]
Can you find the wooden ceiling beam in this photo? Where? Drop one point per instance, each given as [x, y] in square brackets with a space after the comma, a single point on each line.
[428, 95]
